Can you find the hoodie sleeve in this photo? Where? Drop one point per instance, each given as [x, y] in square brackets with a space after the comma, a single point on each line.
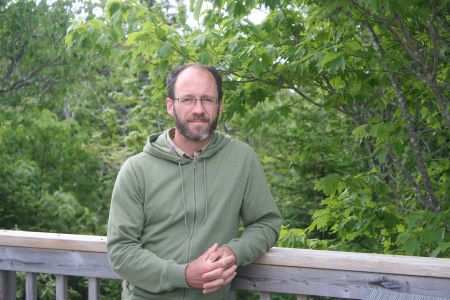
[137, 265]
[260, 216]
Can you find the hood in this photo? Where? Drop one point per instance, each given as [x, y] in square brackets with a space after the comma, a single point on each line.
[157, 145]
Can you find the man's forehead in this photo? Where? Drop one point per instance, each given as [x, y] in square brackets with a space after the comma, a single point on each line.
[196, 69]
[195, 75]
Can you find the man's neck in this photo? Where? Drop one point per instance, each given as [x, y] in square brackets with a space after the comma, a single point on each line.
[188, 146]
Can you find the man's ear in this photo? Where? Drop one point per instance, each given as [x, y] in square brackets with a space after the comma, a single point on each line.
[169, 106]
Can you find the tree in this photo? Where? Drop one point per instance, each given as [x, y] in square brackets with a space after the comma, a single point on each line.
[381, 67]
[31, 47]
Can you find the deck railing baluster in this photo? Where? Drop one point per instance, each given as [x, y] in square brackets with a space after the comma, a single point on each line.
[61, 287]
[232, 295]
[94, 288]
[30, 286]
[7, 285]
[265, 296]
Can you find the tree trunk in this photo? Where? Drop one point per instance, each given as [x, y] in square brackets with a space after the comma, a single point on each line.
[432, 203]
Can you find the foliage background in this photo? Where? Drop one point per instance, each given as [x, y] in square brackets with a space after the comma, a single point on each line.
[346, 103]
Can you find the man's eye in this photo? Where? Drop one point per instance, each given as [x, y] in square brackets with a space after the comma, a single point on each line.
[208, 100]
[187, 100]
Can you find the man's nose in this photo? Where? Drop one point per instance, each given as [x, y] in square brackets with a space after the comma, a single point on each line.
[198, 107]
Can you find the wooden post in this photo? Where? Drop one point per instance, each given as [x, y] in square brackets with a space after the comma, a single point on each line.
[8, 285]
[30, 286]
[265, 296]
[61, 287]
[232, 295]
[94, 289]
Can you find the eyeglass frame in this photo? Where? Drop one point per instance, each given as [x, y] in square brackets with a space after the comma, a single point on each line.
[193, 100]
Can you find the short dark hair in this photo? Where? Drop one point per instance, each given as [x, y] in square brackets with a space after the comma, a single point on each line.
[173, 75]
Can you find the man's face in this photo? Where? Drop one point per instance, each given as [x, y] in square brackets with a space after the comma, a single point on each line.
[197, 121]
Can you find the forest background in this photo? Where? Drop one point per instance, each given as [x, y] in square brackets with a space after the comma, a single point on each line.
[346, 103]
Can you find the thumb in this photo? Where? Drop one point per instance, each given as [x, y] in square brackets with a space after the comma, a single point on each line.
[210, 250]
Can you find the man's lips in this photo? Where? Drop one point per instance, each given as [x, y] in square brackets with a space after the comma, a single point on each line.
[198, 120]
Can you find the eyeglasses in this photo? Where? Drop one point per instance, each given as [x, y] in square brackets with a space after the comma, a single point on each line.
[189, 100]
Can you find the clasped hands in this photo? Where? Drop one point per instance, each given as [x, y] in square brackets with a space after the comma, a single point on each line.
[212, 270]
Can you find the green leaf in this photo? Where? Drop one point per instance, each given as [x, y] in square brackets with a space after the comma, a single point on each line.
[330, 184]
[69, 40]
[103, 40]
[116, 16]
[133, 38]
[198, 9]
[257, 67]
[161, 33]
[412, 247]
[337, 64]
[320, 220]
[165, 49]
[199, 40]
[206, 58]
[374, 4]
[412, 219]
[382, 154]
[360, 132]
[355, 87]
[380, 131]
[431, 236]
[112, 7]
[403, 238]
[328, 57]
[440, 249]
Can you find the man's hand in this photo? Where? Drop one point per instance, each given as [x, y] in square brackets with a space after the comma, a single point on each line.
[220, 277]
[212, 270]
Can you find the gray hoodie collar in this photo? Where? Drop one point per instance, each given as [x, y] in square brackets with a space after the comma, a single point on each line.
[157, 145]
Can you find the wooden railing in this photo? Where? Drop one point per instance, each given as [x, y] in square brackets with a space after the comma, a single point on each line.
[292, 271]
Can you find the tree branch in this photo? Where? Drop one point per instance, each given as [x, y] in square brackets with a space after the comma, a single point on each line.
[428, 75]
[29, 79]
[432, 203]
[14, 60]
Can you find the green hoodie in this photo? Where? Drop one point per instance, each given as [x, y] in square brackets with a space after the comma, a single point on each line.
[167, 210]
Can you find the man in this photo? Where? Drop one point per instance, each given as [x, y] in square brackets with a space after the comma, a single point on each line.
[173, 229]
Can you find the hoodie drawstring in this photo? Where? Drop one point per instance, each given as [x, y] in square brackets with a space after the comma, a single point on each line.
[205, 191]
[184, 199]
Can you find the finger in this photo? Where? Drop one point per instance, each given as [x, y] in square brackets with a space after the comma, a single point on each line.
[224, 283]
[214, 274]
[218, 283]
[213, 256]
[210, 250]
[219, 273]
[231, 277]
[228, 272]
[226, 261]
[216, 255]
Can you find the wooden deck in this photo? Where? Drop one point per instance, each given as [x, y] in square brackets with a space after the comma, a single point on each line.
[294, 271]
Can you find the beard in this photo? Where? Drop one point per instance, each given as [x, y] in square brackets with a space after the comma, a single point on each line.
[202, 135]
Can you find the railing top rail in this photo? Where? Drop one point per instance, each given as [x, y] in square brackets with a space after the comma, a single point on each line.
[57, 241]
[301, 258]
[354, 261]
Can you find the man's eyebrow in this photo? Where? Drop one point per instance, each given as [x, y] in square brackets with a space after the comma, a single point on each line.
[202, 96]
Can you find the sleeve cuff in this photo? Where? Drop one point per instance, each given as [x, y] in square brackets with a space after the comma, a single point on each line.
[176, 274]
[236, 248]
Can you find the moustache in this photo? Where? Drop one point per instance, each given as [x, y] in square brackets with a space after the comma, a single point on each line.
[198, 119]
